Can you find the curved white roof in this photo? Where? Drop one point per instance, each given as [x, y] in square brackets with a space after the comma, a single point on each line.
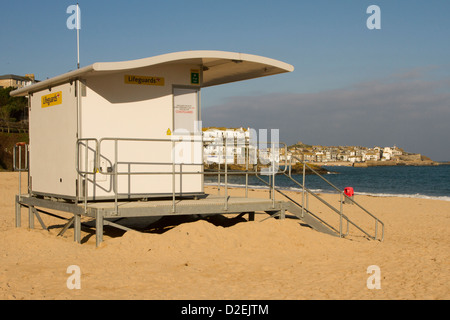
[219, 67]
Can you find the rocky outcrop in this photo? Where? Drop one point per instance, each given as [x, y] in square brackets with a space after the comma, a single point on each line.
[296, 168]
[413, 160]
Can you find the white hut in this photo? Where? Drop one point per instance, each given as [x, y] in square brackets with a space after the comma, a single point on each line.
[106, 130]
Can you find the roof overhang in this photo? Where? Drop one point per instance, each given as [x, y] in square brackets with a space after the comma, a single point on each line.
[219, 67]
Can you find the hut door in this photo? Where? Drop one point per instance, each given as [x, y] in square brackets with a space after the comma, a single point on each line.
[185, 110]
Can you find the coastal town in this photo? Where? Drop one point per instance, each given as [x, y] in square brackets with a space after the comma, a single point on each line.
[356, 156]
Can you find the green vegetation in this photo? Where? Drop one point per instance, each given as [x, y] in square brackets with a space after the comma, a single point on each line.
[300, 145]
[12, 109]
[7, 143]
[13, 116]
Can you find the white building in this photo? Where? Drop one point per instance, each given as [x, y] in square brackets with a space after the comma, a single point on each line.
[386, 154]
[229, 142]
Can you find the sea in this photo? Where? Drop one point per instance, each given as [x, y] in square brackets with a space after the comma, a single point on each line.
[428, 182]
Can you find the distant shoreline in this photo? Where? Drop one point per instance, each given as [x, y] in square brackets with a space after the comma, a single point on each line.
[324, 191]
[388, 163]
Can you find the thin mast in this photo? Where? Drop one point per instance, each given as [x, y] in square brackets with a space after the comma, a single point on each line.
[78, 36]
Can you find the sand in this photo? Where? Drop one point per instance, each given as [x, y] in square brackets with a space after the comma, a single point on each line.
[232, 259]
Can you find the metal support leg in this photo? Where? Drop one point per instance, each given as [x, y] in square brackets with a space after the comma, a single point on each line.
[251, 216]
[272, 215]
[98, 228]
[37, 215]
[31, 217]
[282, 213]
[67, 226]
[18, 214]
[77, 228]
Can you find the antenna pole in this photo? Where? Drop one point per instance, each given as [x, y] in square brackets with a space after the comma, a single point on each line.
[78, 36]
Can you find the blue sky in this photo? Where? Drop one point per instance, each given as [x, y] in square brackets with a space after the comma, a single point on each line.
[351, 85]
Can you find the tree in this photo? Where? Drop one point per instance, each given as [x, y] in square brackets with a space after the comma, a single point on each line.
[12, 108]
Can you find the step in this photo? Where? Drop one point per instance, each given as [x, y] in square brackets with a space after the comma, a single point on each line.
[310, 220]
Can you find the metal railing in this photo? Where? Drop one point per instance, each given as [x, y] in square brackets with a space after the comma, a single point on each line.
[343, 197]
[270, 171]
[90, 149]
[84, 174]
[20, 153]
[115, 173]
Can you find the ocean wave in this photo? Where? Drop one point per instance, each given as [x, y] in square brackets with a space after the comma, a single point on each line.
[373, 194]
[402, 195]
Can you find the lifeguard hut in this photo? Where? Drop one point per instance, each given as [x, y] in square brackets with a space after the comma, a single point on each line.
[106, 136]
[125, 113]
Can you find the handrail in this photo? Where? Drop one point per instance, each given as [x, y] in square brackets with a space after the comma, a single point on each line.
[345, 196]
[84, 174]
[299, 205]
[115, 173]
[270, 172]
[86, 148]
[18, 149]
[340, 212]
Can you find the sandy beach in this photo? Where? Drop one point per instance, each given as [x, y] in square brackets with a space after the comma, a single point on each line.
[223, 258]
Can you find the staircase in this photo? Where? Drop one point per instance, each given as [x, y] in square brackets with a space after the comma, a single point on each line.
[301, 211]
[311, 219]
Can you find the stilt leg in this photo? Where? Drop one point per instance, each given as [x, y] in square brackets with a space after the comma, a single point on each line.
[18, 214]
[30, 217]
[77, 228]
[99, 228]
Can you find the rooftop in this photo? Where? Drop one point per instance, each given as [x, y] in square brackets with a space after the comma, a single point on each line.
[218, 67]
